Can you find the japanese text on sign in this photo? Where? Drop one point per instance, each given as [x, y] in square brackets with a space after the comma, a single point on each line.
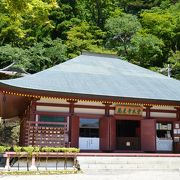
[129, 110]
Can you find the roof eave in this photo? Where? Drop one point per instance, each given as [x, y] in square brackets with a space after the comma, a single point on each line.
[77, 96]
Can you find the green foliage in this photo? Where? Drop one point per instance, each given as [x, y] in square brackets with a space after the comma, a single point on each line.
[97, 12]
[9, 54]
[59, 149]
[35, 34]
[11, 30]
[146, 49]
[46, 54]
[15, 132]
[9, 133]
[47, 149]
[17, 6]
[174, 62]
[73, 150]
[159, 23]
[136, 6]
[121, 30]
[36, 149]
[2, 149]
[164, 23]
[17, 149]
[36, 58]
[64, 17]
[83, 37]
[29, 150]
[23, 22]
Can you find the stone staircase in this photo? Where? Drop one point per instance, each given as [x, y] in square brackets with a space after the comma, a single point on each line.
[114, 165]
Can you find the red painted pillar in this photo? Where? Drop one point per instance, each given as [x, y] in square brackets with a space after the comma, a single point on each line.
[72, 123]
[22, 131]
[33, 118]
[74, 131]
[112, 133]
[178, 114]
[148, 135]
[104, 133]
[32, 110]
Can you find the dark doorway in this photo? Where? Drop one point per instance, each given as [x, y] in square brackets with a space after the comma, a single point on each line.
[128, 135]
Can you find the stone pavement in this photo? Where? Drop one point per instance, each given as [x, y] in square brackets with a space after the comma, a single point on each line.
[124, 175]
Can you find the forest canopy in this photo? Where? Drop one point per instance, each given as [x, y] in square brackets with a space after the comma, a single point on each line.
[38, 34]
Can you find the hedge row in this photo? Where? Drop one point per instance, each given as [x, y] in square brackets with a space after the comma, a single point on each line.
[31, 149]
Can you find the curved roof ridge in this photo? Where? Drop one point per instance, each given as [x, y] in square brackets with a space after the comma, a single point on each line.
[87, 53]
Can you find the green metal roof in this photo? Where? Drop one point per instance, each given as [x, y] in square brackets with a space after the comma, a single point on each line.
[101, 75]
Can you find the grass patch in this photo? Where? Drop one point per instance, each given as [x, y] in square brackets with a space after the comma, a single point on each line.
[58, 172]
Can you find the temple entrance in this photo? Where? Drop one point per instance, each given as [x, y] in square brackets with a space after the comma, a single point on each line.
[128, 135]
[89, 134]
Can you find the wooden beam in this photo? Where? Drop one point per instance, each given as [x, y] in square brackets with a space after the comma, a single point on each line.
[51, 104]
[130, 117]
[178, 114]
[163, 110]
[16, 91]
[148, 112]
[107, 109]
[52, 113]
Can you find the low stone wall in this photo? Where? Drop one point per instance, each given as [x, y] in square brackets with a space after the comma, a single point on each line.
[40, 161]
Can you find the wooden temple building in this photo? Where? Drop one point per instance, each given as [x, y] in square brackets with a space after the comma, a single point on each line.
[97, 103]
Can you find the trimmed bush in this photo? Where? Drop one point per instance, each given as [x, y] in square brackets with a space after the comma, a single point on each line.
[36, 149]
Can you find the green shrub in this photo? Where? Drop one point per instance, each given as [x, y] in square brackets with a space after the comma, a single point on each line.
[17, 149]
[2, 149]
[37, 149]
[29, 150]
[46, 149]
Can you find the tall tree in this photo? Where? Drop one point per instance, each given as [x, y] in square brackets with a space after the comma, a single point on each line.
[146, 50]
[120, 32]
[163, 24]
[46, 54]
[97, 11]
[84, 37]
[174, 62]
[36, 58]
[23, 22]
[64, 18]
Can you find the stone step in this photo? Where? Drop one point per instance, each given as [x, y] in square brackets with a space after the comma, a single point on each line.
[126, 166]
[123, 163]
[129, 160]
[125, 171]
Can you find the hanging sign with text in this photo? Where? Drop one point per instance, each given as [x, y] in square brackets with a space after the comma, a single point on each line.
[129, 110]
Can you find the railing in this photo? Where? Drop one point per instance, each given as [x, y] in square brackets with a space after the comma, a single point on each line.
[36, 157]
[53, 134]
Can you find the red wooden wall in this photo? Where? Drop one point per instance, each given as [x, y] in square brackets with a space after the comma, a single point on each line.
[107, 133]
[148, 135]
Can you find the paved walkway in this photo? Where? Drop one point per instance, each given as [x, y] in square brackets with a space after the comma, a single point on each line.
[125, 175]
[129, 154]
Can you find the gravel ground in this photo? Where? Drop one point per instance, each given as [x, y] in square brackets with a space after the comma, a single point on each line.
[126, 175]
